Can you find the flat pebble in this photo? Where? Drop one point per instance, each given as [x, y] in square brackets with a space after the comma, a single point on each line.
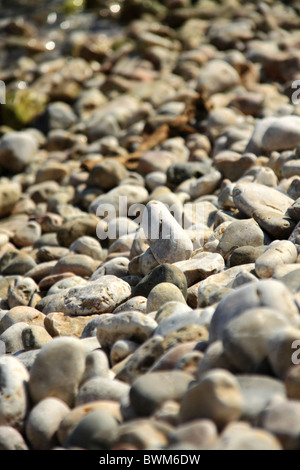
[101, 388]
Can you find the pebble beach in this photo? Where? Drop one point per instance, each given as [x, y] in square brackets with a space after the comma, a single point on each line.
[149, 225]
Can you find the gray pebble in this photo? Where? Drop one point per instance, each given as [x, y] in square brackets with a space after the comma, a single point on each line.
[101, 388]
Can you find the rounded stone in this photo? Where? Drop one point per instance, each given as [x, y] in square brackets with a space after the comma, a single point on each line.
[22, 292]
[245, 338]
[14, 401]
[121, 349]
[43, 422]
[95, 431]
[115, 267]
[11, 439]
[268, 293]
[241, 233]
[23, 314]
[34, 337]
[57, 370]
[87, 246]
[12, 337]
[17, 150]
[96, 365]
[15, 262]
[100, 296]
[163, 273]
[134, 326]
[77, 227]
[80, 265]
[167, 239]
[135, 303]
[101, 388]
[149, 391]
[282, 350]
[245, 255]
[107, 174]
[202, 433]
[217, 396]
[162, 293]
[238, 436]
[277, 253]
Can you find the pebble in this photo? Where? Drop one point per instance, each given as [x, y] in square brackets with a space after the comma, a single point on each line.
[162, 293]
[62, 324]
[201, 266]
[256, 327]
[238, 436]
[98, 430]
[77, 227]
[24, 314]
[280, 350]
[167, 239]
[14, 400]
[170, 358]
[138, 303]
[87, 246]
[11, 439]
[70, 421]
[22, 292]
[121, 349]
[12, 337]
[115, 267]
[63, 285]
[249, 197]
[100, 296]
[277, 253]
[34, 337]
[217, 396]
[17, 150]
[202, 433]
[142, 434]
[217, 76]
[265, 293]
[107, 174]
[96, 365]
[101, 388]
[165, 272]
[80, 265]
[132, 325]
[28, 235]
[15, 262]
[281, 419]
[43, 422]
[69, 356]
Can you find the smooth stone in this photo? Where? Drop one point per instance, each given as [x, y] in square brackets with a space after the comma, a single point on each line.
[167, 239]
[179, 172]
[34, 337]
[100, 296]
[101, 388]
[120, 226]
[28, 234]
[87, 246]
[232, 164]
[107, 174]
[276, 224]
[27, 358]
[41, 270]
[217, 396]
[212, 294]
[141, 360]
[241, 233]
[162, 293]
[245, 255]
[62, 324]
[282, 134]
[155, 179]
[138, 303]
[170, 308]
[292, 382]
[51, 253]
[238, 436]
[243, 278]
[90, 330]
[98, 430]
[133, 195]
[214, 358]
[15, 262]
[146, 262]
[121, 349]
[96, 365]
[206, 184]
[11, 439]
[168, 412]
[80, 265]
[217, 76]
[51, 170]
[268, 293]
[42, 192]
[12, 337]
[249, 197]
[43, 422]
[245, 338]
[277, 253]
[132, 325]
[281, 419]
[24, 314]
[64, 284]
[163, 273]
[169, 359]
[73, 229]
[201, 266]
[157, 160]
[151, 390]
[61, 357]
[142, 434]
[179, 321]
[22, 292]
[52, 303]
[17, 150]
[280, 349]
[258, 391]
[201, 432]
[115, 267]
[14, 401]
